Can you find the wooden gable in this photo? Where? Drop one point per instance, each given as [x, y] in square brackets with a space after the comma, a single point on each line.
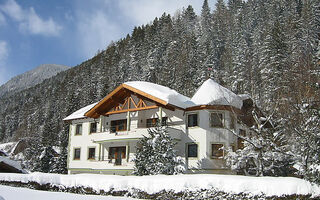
[126, 98]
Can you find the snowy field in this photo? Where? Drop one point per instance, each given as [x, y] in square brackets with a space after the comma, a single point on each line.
[14, 193]
[268, 186]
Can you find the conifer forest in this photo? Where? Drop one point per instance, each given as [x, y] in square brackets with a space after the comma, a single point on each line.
[268, 49]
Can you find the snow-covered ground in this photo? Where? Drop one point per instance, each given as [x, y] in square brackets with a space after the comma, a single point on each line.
[14, 193]
[268, 186]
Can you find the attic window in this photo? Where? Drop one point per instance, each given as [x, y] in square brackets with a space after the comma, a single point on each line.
[192, 120]
[216, 120]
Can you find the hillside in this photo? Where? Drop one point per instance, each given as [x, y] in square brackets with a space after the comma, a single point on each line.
[263, 48]
[30, 78]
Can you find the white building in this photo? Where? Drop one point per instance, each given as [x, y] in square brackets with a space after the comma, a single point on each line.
[103, 135]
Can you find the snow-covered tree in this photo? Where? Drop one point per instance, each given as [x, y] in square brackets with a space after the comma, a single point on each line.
[263, 153]
[156, 155]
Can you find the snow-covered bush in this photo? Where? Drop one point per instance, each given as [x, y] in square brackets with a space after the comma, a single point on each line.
[156, 155]
[263, 154]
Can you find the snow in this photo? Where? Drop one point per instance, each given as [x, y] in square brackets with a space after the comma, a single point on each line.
[8, 147]
[161, 92]
[234, 184]
[80, 113]
[211, 93]
[14, 193]
[12, 163]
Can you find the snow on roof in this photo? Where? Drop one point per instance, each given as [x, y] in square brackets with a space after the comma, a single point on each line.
[161, 92]
[8, 147]
[211, 93]
[80, 113]
[12, 163]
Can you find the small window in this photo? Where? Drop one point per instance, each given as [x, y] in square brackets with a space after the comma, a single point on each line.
[76, 155]
[216, 120]
[153, 122]
[79, 129]
[192, 120]
[118, 125]
[240, 140]
[232, 122]
[192, 150]
[91, 153]
[93, 127]
[217, 150]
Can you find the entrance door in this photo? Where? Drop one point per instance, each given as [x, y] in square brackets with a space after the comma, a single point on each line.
[117, 153]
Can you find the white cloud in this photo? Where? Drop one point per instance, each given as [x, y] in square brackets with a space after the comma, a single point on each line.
[29, 21]
[95, 30]
[144, 11]
[4, 53]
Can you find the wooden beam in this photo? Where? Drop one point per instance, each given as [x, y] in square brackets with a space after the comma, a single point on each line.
[131, 110]
[215, 107]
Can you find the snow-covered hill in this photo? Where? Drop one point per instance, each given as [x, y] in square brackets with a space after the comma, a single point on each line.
[31, 78]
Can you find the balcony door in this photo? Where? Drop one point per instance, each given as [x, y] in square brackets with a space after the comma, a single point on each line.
[117, 153]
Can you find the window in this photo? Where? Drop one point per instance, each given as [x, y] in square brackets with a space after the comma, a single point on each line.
[91, 153]
[93, 127]
[217, 150]
[192, 120]
[192, 150]
[216, 120]
[116, 152]
[79, 129]
[153, 122]
[240, 140]
[118, 125]
[76, 155]
[232, 122]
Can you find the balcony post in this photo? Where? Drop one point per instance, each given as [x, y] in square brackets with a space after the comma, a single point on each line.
[160, 115]
[99, 158]
[128, 121]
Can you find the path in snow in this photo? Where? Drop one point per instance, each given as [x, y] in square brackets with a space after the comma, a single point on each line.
[16, 193]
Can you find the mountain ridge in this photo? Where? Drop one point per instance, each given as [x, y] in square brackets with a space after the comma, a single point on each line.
[30, 78]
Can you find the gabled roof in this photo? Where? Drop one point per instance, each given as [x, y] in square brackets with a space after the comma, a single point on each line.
[159, 94]
[211, 93]
[80, 113]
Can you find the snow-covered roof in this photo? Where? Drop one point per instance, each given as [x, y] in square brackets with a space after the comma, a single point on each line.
[80, 113]
[161, 92]
[12, 163]
[211, 93]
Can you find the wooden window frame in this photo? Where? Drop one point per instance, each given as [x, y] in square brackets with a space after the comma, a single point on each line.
[112, 156]
[240, 144]
[118, 125]
[222, 121]
[222, 151]
[155, 121]
[189, 114]
[94, 156]
[90, 128]
[74, 153]
[76, 131]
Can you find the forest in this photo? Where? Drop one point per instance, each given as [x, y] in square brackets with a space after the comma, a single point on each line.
[268, 49]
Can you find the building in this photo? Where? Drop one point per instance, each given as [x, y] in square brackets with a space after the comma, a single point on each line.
[103, 136]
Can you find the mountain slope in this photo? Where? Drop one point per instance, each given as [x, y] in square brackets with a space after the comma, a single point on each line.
[30, 78]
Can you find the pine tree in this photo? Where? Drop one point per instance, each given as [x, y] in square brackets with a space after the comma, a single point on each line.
[156, 155]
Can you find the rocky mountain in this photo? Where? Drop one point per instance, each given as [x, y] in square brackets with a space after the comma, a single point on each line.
[31, 78]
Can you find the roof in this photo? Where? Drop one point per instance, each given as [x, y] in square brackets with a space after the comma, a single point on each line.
[80, 113]
[166, 94]
[211, 93]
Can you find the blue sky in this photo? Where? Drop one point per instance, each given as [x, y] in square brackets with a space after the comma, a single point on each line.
[68, 32]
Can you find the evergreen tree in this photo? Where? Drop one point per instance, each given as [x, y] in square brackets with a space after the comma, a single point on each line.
[156, 155]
